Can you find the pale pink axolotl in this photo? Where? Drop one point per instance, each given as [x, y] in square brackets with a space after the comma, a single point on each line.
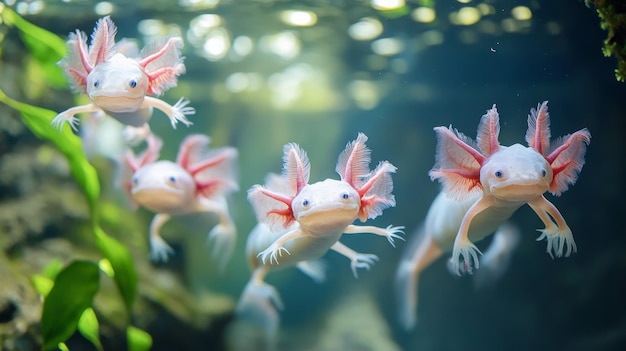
[199, 181]
[299, 222]
[118, 84]
[484, 183]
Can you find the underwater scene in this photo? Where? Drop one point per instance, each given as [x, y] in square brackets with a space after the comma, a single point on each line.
[312, 175]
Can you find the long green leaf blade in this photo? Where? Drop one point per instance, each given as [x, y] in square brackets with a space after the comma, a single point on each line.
[138, 340]
[73, 292]
[120, 259]
[46, 47]
[89, 328]
[38, 120]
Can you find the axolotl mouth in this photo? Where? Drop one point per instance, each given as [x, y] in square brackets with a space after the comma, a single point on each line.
[328, 218]
[158, 199]
[116, 101]
[519, 190]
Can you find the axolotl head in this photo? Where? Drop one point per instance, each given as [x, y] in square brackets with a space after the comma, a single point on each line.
[163, 187]
[516, 173]
[329, 205]
[118, 84]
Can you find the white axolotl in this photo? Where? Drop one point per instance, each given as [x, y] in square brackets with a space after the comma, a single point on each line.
[484, 183]
[199, 181]
[118, 84]
[299, 222]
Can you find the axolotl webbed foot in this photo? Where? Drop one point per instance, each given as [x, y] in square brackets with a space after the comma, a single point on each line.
[272, 252]
[134, 135]
[394, 233]
[557, 241]
[467, 253]
[159, 249]
[361, 260]
[180, 111]
[222, 242]
[58, 120]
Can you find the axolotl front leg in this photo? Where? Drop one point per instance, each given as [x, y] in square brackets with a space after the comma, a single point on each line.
[357, 259]
[558, 235]
[463, 247]
[69, 116]
[176, 113]
[390, 232]
[159, 249]
[276, 249]
[223, 236]
[360, 260]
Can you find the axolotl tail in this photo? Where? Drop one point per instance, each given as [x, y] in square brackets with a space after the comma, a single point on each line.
[258, 305]
[419, 254]
[495, 261]
[222, 239]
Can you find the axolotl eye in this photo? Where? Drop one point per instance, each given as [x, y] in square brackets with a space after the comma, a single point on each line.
[132, 83]
[498, 174]
[345, 196]
[135, 180]
[172, 179]
[543, 172]
[96, 84]
[305, 202]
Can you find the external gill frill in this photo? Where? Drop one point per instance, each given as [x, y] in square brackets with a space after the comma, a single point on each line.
[488, 132]
[566, 155]
[128, 163]
[214, 187]
[75, 64]
[376, 191]
[272, 203]
[214, 171]
[102, 41]
[538, 133]
[191, 149]
[353, 164]
[459, 158]
[271, 208]
[375, 187]
[162, 64]
[457, 163]
[81, 60]
[296, 167]
[216, 175]
[567, 159]
[149, 155]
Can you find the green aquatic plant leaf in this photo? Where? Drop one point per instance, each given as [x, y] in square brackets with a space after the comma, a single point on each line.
[45, 47]
[106, 268]
[138, 340]
[42, 284]
[38, 120]
[88, 327]
[72, 293]
[52, 268]
[120, 259]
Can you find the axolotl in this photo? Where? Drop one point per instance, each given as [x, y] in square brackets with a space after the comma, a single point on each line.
[199, 181]
[118, 84]
[484, 183]
[299, 222]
